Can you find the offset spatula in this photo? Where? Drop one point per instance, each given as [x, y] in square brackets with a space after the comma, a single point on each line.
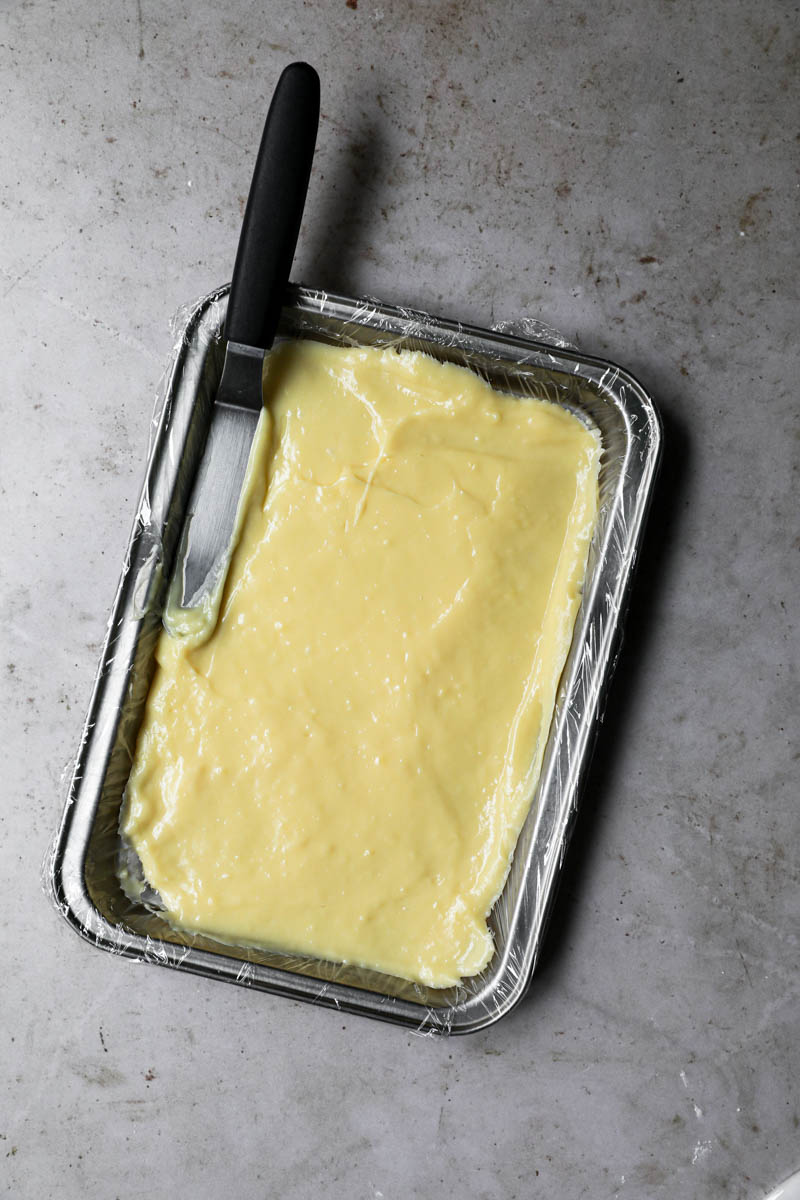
[260, 275]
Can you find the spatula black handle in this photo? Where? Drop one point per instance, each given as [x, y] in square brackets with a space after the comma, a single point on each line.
[274, 209]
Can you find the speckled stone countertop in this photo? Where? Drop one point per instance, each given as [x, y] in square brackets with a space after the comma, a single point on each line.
[627, 172]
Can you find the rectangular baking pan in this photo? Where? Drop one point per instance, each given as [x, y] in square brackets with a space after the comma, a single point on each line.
[83, 864]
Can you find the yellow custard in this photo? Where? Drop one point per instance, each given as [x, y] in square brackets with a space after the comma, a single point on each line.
[341, 764]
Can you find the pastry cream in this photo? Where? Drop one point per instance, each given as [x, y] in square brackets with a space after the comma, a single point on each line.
[340, 765]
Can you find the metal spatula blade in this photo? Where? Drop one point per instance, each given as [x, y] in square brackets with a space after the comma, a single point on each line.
[211, 515]
[263, 261]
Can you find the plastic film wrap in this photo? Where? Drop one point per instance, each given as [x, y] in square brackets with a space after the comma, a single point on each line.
[88, 872]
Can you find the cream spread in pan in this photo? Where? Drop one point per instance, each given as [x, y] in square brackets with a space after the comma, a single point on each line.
[340, 765]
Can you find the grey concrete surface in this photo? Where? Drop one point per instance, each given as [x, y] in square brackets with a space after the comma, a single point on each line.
[628, 172]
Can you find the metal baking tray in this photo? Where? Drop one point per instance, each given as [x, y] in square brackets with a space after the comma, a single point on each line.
[83, 864]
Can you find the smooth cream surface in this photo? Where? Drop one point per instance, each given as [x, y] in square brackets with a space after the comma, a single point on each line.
[340, 767]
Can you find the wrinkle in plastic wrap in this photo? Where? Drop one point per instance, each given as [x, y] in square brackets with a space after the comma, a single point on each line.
[92, 878]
